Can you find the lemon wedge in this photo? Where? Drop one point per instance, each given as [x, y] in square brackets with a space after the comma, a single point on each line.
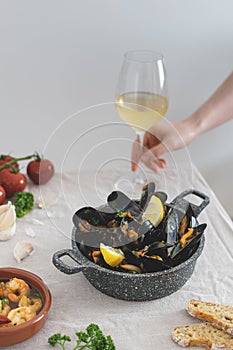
[154, 211]
[112, 256]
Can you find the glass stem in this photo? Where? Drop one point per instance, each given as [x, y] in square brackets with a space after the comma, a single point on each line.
[138, 175]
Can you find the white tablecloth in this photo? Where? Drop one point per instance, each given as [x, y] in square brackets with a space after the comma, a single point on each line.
[132, 325]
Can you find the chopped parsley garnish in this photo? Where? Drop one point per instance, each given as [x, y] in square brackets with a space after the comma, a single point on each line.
[94, 221]
[120, 213]
[4, 302]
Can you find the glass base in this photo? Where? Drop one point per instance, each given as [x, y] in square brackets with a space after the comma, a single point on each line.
[131, 184]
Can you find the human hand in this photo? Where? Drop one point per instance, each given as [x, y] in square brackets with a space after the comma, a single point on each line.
[162, 137]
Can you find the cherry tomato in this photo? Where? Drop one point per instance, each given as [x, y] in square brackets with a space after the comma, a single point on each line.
[2, 195]
[12, 182]
[4, 159]
[40, 171]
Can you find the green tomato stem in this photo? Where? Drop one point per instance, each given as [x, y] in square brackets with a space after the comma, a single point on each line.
[8, 164]
[37, 157]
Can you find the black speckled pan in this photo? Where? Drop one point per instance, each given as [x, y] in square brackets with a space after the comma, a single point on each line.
[121, 285]
[133, 287]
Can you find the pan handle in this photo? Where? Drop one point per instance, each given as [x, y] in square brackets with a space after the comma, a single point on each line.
[63, 267]
[197, 209]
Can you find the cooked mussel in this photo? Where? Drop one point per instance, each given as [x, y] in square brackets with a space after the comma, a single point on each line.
[153, 263]
[144, 260]
[120, 202]
[147, 234]
[171, 228]
[131, 256]
[187, 245]
[89, 218]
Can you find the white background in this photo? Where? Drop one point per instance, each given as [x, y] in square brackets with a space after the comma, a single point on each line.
[57, 57]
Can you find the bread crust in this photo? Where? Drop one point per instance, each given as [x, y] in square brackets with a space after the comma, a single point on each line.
[194, 307]
[202, 335]
[184, 343]
[219, 347]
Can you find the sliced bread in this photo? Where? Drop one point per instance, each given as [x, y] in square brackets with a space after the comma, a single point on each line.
[219, 315]
[203, 335]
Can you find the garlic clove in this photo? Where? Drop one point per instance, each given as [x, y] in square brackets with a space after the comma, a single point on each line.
[8, 233]
[5, 207]
[8, 217]
[22, 250]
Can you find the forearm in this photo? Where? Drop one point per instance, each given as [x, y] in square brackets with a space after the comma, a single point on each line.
[217, 110]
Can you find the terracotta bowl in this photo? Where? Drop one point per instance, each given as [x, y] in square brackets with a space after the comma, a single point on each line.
[17, 334]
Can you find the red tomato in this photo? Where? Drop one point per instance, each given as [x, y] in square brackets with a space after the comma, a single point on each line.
[40, 171]
[2, 195]
[12, 182]
[4, 159]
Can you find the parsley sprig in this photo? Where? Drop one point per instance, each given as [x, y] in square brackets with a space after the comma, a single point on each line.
[59, 339]
[92, 339]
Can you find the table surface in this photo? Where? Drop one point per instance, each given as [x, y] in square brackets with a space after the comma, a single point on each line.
[76, 303]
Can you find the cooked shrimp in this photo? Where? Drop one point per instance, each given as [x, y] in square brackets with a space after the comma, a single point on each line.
[24, 301]
[37, 304]
[4, 307]
[16, 289]
[21, 315]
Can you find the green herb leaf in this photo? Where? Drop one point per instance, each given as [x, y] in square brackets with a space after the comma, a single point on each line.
[24, 202]
[120, 214]
[4, 301]
[37, 294]
[94, 221]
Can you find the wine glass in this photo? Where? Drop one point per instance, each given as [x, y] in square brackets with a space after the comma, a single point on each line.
[141, 100]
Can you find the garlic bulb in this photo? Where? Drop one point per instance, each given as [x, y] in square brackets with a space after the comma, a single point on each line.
[22, 250]
[7, 221]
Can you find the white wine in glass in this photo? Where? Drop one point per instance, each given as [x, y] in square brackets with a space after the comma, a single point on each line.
[141, 101]
[141, 109]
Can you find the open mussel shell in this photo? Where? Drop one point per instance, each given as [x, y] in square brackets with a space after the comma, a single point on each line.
[130, 257]
[129, 228]
[87, 251]
[93, 239]
[147, 192]
[153, 264]
[182, 252]
[158, 248]
[90, 215]
[115, 234]
[120, 202]
[110, 237]
[170, 228]
[145, 260]
[94, 226]
[147, 234]
[186, 219]
[162, 196]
